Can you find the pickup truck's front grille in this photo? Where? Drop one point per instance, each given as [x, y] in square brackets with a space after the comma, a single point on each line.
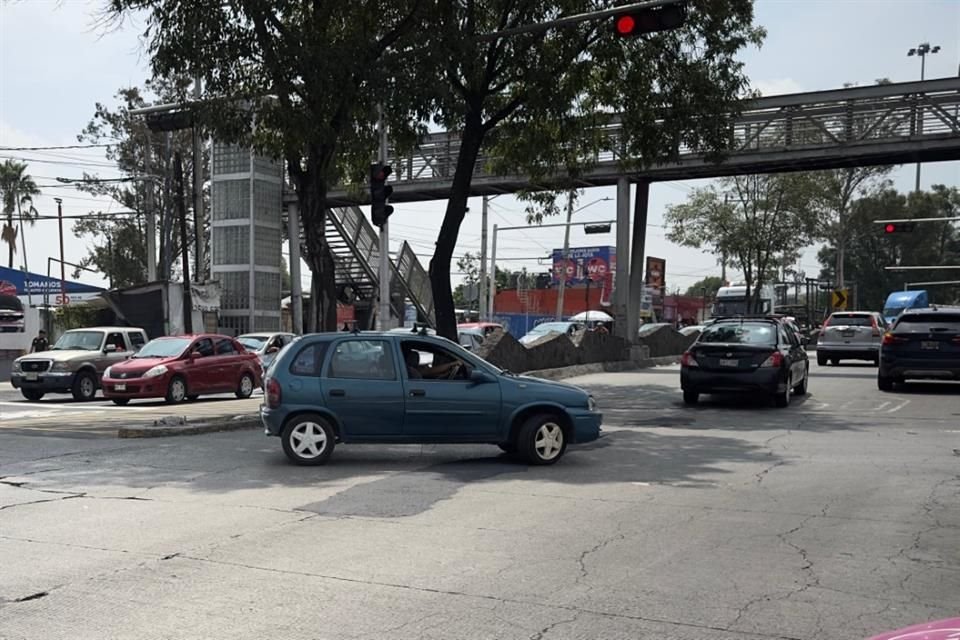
[34, 366]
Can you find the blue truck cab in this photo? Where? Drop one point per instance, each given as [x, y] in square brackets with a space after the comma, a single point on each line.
[899, 301]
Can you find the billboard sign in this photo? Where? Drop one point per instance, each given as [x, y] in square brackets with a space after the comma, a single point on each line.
[656, 273]
[596, 264]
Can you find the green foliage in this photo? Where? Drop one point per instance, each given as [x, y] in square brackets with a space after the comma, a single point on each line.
[869, 250]
[75, 316]
[538, 102]
[760, 224]
[117, 242]
[17, 189]
[708, 286]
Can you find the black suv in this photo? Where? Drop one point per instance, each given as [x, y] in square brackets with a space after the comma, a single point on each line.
[746, 354]
[923, 343]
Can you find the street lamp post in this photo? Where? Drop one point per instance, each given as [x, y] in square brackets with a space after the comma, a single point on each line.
[63, 270]
[922, 50]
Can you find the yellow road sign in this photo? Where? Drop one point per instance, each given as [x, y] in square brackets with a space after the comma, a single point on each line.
[839, 299]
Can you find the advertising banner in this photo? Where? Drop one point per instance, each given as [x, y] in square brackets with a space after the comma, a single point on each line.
[597, 264]
[656, 273]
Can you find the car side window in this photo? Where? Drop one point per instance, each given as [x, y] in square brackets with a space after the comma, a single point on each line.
[204, 347]
[137, 339]
[309, 360]
[362, 360]
[116, 341]
[225, 347]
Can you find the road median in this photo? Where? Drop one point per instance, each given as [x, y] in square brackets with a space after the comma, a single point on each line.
[170, 426]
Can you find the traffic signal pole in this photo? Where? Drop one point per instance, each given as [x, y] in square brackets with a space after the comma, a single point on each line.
[384, 321]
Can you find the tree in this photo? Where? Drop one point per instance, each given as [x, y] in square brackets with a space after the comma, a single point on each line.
[708, 286]
[761, 224]
[118, 242]
[870, 251]
[308, 74]
[17, 189]
[538, 102]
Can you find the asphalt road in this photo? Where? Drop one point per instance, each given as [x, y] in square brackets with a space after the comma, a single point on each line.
[835, 518]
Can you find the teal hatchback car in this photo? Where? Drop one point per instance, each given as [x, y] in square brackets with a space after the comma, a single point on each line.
[409, 388]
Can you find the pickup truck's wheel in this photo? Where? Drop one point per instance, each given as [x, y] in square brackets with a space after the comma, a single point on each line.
[245, 388]
[84, 386]
[176, 390]
[884, 383]
[32, 394]
[308, 439]
[821, 360]
[541, 439]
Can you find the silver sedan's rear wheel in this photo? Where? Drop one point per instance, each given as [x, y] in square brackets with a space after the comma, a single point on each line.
[308, 439]
[541, 440]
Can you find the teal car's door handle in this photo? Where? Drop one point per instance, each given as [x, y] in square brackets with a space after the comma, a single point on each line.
[418, 393]
[338, 393]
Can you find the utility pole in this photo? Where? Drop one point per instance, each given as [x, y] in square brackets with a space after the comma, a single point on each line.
[63, 270]
[482, 293]
[383, 314]
[184, 244]
[198, 236]
[493, 274]
[151, 213]
[563, 258]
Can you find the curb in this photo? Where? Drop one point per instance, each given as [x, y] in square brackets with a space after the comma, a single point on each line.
[601, 367]
[160, 430]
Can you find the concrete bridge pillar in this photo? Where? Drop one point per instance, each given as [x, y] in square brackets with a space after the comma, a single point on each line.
[621, 290]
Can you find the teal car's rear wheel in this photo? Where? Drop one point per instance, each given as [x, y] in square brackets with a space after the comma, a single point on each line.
[308, 439]
[541, 439]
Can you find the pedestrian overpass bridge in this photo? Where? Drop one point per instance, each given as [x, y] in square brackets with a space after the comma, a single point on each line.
[896, 123]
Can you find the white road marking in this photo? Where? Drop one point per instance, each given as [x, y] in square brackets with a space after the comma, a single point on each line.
[899, 406]
[71, 407]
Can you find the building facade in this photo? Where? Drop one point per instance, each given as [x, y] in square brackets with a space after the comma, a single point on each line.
[246, 237]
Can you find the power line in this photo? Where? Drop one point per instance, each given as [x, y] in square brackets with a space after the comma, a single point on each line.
[64, 146]
[77, 163]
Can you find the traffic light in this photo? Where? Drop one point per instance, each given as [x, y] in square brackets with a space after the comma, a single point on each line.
[898, 227]
[596, 228]
[379, 193]
[663, 18]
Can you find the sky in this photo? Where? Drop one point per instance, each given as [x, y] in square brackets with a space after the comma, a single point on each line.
[57, 61]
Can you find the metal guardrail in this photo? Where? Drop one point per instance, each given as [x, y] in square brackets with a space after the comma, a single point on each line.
[873, 125]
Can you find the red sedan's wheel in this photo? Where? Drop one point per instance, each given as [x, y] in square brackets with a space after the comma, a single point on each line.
[245, 388]
[176, 390]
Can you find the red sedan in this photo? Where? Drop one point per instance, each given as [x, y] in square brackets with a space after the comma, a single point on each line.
[180, 368]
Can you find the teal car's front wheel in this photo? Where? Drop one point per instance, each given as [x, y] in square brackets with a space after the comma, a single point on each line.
[541, 440]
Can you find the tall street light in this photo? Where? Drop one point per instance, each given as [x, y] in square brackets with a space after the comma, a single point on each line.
[922, 50]
[566, 249]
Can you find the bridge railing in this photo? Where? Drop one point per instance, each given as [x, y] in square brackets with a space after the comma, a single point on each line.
[851, 116]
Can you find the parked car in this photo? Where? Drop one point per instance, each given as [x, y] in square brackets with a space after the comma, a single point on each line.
[548, 328]
[745, 354]
[850, 335]
[468, 338]
[265, 345]
[12, 319]
[692, 330]
[923, 344]
[76, 362]
[179, 368]
[378, 388]
[486, 327]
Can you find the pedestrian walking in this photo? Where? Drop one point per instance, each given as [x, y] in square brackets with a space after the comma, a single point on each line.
[39, 343]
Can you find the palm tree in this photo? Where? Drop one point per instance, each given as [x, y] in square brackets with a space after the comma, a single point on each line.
[17, 189]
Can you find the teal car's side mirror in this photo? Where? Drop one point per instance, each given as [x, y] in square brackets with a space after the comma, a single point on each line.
[480, 377]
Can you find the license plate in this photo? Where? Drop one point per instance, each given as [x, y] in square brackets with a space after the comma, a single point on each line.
[120, 386]
[30, 376]
[848, 333]
[930, 345]
[729, 363]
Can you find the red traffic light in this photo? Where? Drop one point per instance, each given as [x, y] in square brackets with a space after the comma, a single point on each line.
[662, 18]
[898, 227]
[625, 25]
[890, 228]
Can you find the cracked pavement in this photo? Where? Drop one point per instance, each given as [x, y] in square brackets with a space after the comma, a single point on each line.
[836, 518]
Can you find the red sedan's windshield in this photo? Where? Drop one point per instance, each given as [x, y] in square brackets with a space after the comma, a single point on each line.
[164, 348]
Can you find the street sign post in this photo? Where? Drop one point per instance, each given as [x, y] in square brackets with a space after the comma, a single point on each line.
[839, 299]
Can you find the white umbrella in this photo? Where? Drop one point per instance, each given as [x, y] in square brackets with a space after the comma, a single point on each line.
[592, 316]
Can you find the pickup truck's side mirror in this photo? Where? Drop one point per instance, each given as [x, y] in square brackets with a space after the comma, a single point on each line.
[110, 348]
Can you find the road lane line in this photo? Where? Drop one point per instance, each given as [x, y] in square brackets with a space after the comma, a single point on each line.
[899, 406]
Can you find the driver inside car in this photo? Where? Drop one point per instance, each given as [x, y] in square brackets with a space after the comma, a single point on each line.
[417, 371]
